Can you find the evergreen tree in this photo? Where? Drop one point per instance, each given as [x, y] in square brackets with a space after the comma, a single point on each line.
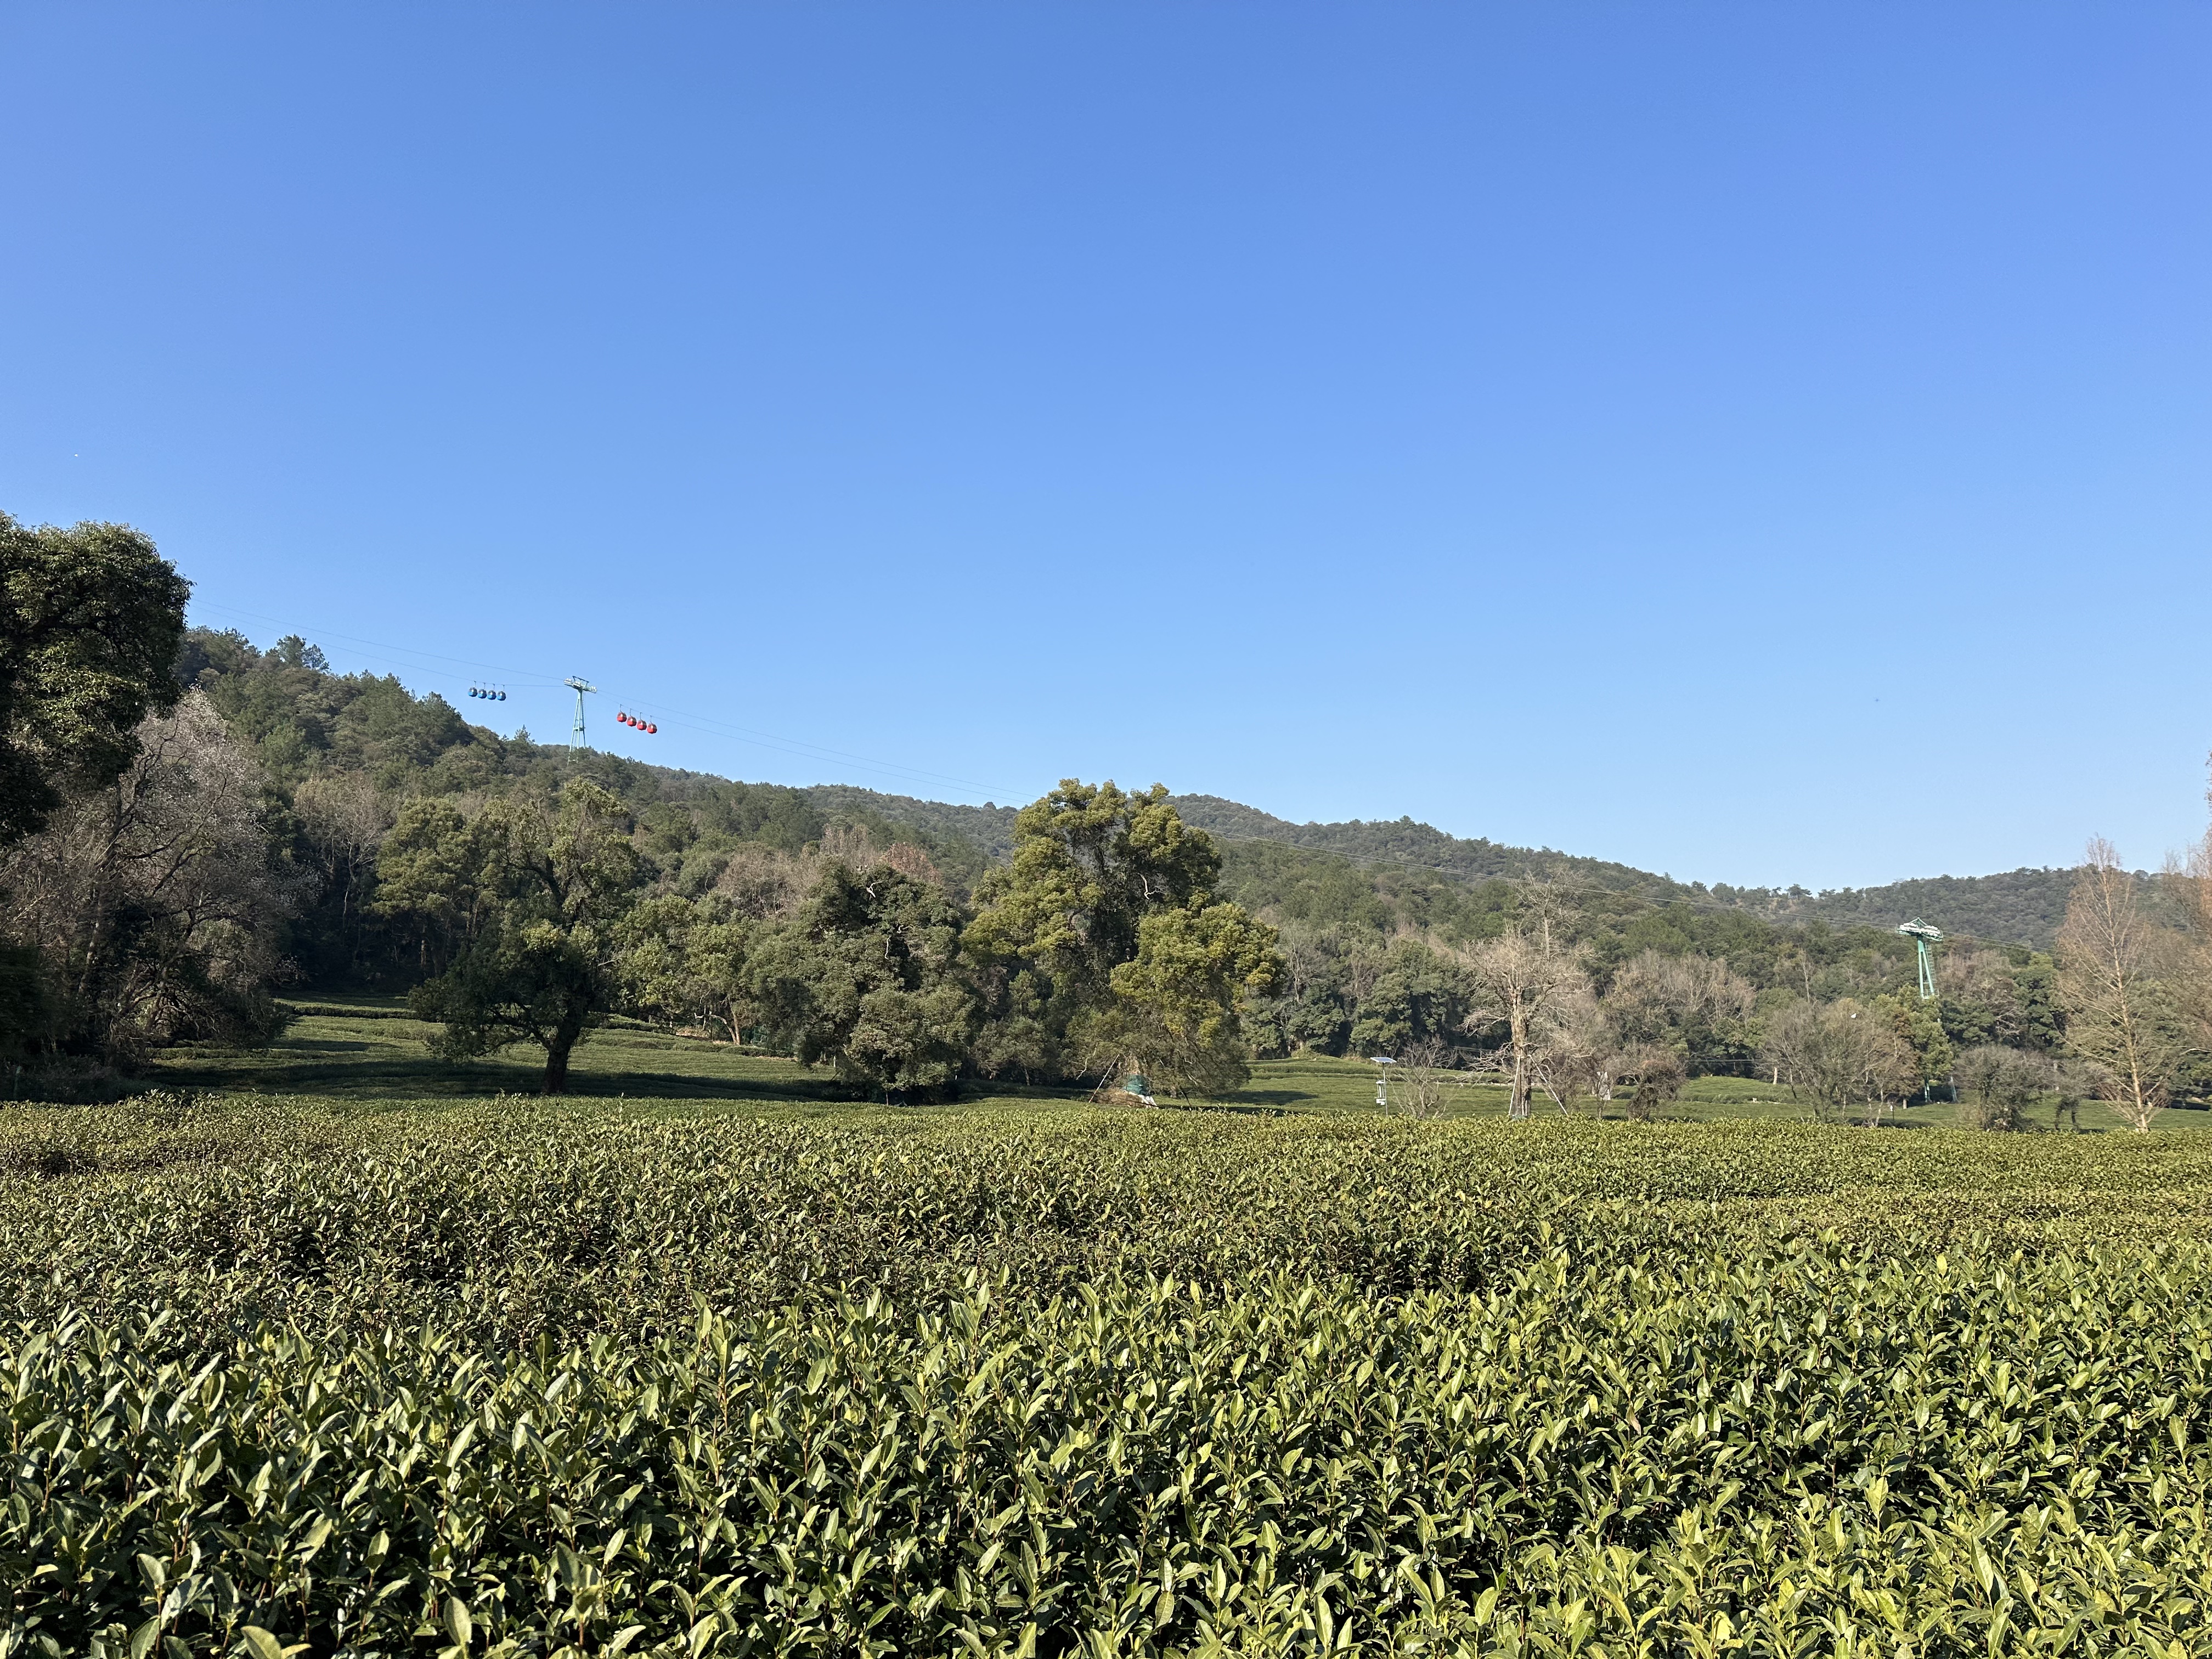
[90, 620]
[868, 977]
[541, 887]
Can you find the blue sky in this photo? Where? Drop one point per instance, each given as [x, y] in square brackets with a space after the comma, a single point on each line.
[1760, 443]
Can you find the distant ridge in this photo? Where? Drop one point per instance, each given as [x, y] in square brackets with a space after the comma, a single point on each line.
[1427, 848]
[2016, 906]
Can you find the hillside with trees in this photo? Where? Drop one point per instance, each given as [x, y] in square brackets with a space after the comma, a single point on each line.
[2017, 907]
[204, 825]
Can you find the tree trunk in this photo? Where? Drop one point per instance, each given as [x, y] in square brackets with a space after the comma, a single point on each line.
[563, 1039]
[1517, 1107]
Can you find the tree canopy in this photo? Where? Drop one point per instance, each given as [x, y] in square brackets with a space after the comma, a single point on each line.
[1118, 950]
[536, 889]
[870, 978]
[90, 621]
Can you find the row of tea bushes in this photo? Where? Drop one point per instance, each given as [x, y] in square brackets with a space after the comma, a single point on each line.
[1808, 1450]
[517, 1220]
[508, 1377]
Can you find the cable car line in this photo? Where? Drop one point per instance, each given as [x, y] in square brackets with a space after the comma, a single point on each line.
[710, 725]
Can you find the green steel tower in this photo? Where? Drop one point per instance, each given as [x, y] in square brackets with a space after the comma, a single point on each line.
[1922, 937]
[576, 733]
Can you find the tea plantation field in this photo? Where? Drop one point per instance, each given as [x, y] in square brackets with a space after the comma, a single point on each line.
[383, 1375]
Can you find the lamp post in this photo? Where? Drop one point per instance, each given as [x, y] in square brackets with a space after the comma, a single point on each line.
[1383, 1079]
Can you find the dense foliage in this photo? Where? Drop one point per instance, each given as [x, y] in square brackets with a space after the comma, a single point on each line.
[541, 887]
[870, 977]
[1115, 950]
[90, 620]
[513, 1374]
[137, 898]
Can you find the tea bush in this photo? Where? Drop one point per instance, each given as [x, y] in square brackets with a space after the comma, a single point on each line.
[507, 1379]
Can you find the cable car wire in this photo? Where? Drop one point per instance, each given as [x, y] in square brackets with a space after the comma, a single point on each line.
[707, 724]
[712, 727]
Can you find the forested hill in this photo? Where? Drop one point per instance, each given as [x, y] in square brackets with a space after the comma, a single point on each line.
[1403, 844]
[2018, 907]
[1421, 846]
[303, 721]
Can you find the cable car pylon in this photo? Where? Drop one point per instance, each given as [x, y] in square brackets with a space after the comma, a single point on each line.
[576, 732]
[1922, 937]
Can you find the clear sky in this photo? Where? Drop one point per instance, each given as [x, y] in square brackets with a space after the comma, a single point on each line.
[1762, 443]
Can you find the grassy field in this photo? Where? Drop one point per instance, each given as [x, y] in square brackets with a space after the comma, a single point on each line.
[336, 1349]
[367, 1049]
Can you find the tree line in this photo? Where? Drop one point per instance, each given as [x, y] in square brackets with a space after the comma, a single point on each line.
[191, 824]
[1100, 948]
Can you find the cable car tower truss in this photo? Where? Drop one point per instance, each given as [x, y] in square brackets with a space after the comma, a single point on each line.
[1923, 938]
[576, 732]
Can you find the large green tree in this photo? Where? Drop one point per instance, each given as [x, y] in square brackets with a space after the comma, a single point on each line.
[90, 621]
[1090, 862]
[536, 889]
[1105, 924]
[1177, 1010]
[1933, 1057]
[682, 962]
[868, 976]
[429, 875]
[1417, 996]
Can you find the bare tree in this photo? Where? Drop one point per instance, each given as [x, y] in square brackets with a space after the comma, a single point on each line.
[1361, 970]
[1422, 1067]
[2110, 957]
[1309, 958]
[1558, 1066]
[764, 884]
[1841, 1058]
[1998, 1084]
[153, 903]
[1654, 1074]
[346, 818]
[1518, 978]
[1656, 998]
[1579, 1052]
[2188, 883]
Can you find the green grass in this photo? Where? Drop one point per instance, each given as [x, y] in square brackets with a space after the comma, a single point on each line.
[369, 1050]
